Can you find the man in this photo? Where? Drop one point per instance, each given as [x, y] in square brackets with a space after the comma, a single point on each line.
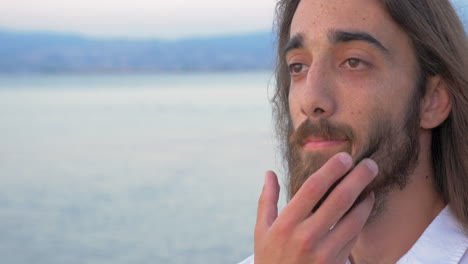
[372, 112]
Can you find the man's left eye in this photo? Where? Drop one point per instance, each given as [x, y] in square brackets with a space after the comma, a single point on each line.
[355, 64]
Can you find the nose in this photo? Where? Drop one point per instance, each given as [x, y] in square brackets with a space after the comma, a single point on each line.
[316, 97]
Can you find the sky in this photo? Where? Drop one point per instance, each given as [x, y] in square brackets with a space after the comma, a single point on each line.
[169, 19]
[139, 18]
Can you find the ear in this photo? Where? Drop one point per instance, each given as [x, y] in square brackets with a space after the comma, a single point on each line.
[436, 104]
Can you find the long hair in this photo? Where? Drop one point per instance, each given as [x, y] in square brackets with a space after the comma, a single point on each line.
[441, 47]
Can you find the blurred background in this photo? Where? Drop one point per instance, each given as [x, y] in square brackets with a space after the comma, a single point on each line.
[134, 131]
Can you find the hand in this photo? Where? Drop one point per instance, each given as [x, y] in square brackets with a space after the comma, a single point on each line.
[326, 236]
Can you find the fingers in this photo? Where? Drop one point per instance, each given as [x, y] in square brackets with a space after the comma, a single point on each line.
[267, 210]
[343, 196]
[302, 236]
[348, 229]
[316, 186]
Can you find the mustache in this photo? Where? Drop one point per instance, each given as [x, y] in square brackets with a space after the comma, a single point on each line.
[322, 128]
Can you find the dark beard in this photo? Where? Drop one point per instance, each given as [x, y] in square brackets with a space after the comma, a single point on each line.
[394, 148]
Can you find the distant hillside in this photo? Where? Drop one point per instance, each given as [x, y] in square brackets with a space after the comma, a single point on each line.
[45, 52]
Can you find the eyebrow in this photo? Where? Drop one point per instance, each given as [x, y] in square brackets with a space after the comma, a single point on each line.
[338, 36]
[335, 37]
[296, 42]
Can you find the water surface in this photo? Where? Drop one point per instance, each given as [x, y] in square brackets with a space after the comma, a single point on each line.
[132, 168]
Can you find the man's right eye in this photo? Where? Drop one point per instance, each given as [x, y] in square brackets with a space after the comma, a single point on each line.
[297, 68]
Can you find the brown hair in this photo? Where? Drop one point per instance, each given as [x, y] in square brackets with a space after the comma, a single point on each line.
[440, 43]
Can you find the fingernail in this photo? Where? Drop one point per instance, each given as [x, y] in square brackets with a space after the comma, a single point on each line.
[372, 166]
[345, 158]
[265, 178]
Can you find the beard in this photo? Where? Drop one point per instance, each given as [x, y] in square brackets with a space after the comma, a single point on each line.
[394, 146]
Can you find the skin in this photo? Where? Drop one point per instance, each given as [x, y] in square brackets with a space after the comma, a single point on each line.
[347, 82]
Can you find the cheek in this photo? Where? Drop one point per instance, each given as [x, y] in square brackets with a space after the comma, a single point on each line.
[294, 110]
[393, 93]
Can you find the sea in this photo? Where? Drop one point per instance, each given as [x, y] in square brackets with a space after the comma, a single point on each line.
[133, 168]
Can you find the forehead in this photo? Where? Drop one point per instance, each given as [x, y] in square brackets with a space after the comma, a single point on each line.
[315, 19]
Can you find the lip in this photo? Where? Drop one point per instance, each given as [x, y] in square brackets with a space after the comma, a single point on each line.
[314, 143]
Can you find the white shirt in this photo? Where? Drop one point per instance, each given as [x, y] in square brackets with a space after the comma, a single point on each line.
[443, 242]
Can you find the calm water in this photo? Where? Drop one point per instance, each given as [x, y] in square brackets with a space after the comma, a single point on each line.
[132, 169]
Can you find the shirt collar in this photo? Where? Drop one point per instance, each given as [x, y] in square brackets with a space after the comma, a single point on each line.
[443, 242]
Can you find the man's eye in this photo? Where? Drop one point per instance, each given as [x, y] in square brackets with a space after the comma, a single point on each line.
[297, 68]
[355, 64]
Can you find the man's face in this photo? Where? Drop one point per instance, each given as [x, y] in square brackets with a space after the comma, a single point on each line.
[353, 88]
